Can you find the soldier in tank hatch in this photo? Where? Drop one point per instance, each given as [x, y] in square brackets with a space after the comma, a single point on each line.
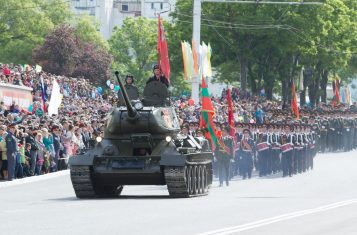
[158, 76]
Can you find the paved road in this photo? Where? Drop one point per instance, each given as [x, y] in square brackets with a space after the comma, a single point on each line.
[323, 201]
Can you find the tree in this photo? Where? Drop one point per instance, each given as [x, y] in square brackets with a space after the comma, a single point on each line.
[64, 53]
[87, 29]
[268, 44]
[60, 52]
[24, 24]
[93, 64]
[133, 47]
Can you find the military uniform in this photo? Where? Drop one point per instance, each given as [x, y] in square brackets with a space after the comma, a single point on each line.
[11, 150]
[287, 155]
[247, 149]
[224, 155]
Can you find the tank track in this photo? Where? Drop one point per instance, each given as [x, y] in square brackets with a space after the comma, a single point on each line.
[82, 182]
[85, 188]
[191, 180]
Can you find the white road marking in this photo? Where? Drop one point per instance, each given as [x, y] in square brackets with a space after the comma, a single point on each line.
[32, 179]
[279, 218]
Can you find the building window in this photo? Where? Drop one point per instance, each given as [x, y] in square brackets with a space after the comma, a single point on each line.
[124, 7]
[152, 5]
[161, 5]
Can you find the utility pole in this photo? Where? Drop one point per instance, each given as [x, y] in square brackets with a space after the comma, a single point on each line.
[196, 32]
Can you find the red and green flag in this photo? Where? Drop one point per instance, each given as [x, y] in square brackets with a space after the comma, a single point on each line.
[207, 113]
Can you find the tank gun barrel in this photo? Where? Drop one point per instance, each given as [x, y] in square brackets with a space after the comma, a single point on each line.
[132, 113]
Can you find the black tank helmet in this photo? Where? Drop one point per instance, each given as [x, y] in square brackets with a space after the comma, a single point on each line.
[129, 76]
[156, 66]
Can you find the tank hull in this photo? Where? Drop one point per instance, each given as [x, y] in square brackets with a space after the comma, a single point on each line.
[185, 175]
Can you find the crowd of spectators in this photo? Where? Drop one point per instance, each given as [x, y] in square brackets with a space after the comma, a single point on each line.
[45, 142]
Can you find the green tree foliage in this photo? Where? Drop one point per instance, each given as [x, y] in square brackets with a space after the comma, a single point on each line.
[24, 24]
[133, 47]
[270, 43]
[64, 53]
[87, 29]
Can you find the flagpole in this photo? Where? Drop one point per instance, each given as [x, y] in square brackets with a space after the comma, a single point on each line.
[196, 36]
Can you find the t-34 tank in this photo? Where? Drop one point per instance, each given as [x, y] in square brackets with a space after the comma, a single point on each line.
[141, 146]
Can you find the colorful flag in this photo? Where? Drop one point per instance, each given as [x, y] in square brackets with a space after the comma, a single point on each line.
[56, 99]
[207, 112]
[294, 104]
[209, 67]
[163, 50]
[232, 131]
[337, 94]
[184, 58]
[189, 60]
[195, 58]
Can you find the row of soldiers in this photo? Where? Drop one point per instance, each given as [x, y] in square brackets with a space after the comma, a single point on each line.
[268, 148]
[281, 144]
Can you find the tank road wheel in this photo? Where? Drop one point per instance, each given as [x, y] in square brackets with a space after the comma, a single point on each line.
[199, 180]
[204, 179]
[193, 180]
[187, 181]
[188, 178]
[82, 181]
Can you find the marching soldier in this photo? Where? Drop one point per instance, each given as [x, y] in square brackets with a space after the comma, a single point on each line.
[287, 148]
[224, 155]
[323, 135]
[263, 148]
[247, 149]
[275, 142]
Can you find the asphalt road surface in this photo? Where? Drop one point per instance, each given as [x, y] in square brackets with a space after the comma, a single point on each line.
[322, 201]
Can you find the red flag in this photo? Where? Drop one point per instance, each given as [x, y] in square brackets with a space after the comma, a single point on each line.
[163, 51]
[294, 104]
[337, 92]
[230, 112]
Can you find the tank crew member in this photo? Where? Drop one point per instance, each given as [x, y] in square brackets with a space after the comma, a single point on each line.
[192, 129]
[129, 84]
[224, 155]
[11, 151]
[158, 76]
[247, 149]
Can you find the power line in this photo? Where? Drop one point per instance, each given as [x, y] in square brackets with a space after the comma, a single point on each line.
[264, 2]
[286, 27]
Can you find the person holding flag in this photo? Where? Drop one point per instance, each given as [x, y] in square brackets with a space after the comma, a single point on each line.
[162, 69]
[158, 76]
